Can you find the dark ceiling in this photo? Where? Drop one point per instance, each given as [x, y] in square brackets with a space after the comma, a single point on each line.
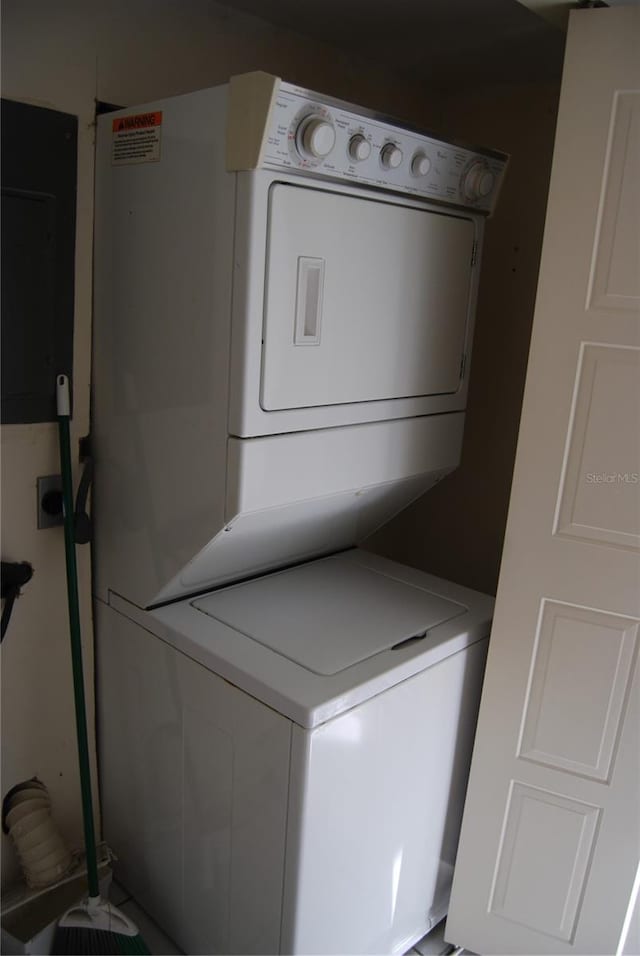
[447, 43]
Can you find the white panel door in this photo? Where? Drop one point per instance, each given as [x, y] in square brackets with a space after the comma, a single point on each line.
[364, 300]
[550, 844]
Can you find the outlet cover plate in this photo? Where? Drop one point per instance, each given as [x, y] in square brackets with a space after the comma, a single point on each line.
[46, 485]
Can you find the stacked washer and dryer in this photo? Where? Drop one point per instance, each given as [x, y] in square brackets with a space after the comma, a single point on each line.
[284, 306]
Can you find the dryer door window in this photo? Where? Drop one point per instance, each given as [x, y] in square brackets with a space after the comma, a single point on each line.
[364, 299]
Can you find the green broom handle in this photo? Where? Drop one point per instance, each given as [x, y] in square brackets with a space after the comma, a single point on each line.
[62, 392]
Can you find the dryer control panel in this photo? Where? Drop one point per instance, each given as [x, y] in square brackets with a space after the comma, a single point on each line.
[306, 131]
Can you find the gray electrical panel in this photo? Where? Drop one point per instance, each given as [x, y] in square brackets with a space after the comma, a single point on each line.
[39, 174]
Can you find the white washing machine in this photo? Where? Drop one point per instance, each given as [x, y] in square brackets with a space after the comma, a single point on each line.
[284, 301]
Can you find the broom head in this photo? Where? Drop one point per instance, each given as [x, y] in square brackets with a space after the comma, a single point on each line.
[95, 926]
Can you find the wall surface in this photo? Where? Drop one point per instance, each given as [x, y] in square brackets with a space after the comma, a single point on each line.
[64, 56]
[457, 529]
[47, 61]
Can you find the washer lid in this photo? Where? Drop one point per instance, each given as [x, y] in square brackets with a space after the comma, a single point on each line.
[330, 614]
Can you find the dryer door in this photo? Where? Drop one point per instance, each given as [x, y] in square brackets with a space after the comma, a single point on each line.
[365, 299]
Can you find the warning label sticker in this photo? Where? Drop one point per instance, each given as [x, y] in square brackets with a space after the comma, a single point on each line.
[136, 139]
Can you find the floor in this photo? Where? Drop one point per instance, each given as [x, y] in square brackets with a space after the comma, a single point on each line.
[156, 941]
[161, 945]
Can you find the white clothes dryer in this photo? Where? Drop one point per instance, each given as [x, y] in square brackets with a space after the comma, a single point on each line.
[285, 293]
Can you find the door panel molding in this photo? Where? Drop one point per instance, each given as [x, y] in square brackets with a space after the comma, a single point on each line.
[599, 496]
[544, 833]
[581, 670]
[614, 282]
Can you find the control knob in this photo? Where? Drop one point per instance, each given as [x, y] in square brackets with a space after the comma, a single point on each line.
[420, 164]
[359, 148]
[391, 156]
[315, 137]
[478, 182]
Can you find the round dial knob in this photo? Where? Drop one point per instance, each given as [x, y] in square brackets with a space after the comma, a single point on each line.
[391, 156]
[478, 182]
[315, 137]
[420, 164]
[359, 148]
